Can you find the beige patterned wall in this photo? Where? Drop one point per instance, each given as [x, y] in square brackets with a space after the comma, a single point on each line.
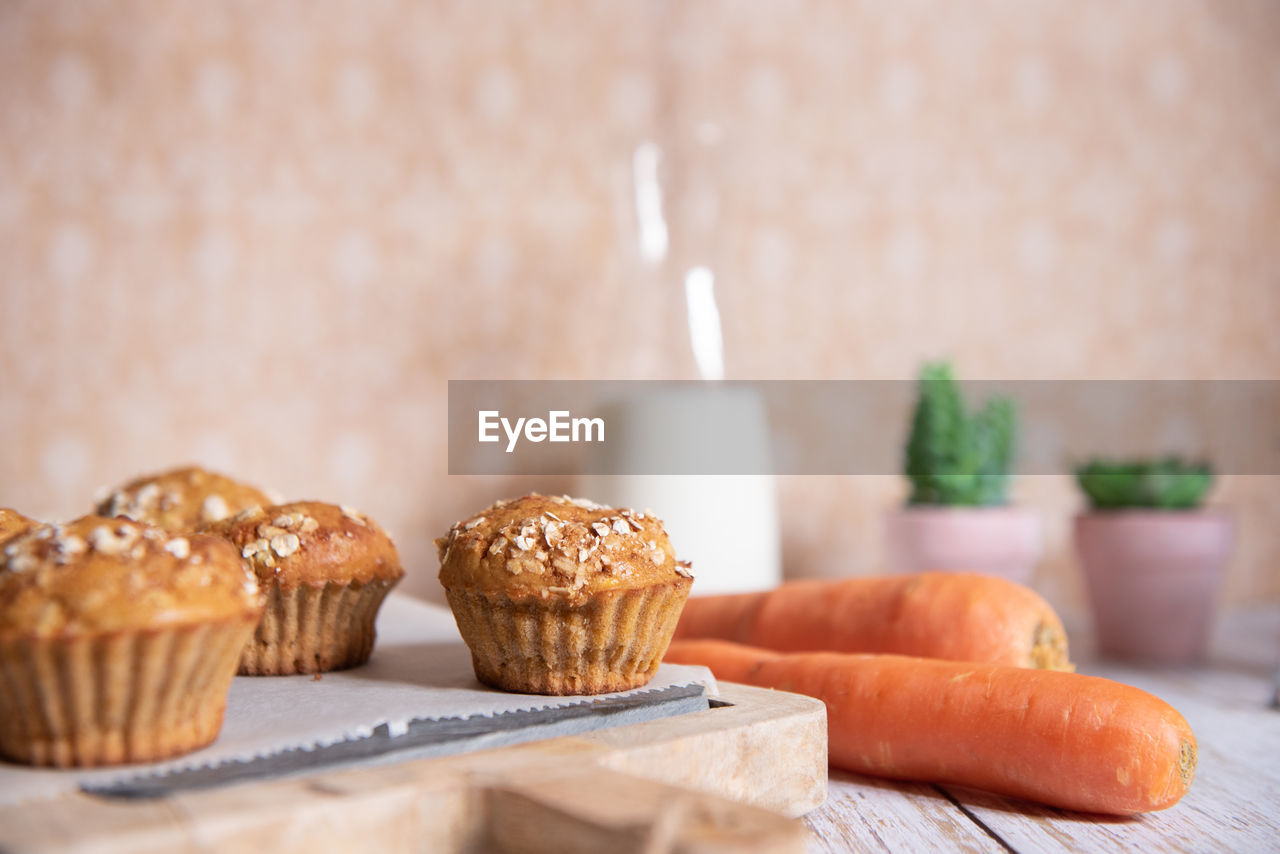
[264, 236]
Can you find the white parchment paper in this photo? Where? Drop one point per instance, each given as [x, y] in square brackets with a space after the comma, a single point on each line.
[420, 670]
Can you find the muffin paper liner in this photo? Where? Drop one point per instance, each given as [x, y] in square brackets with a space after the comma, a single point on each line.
[315, 629]
[612, 641]
[419, 672]
[119, 698]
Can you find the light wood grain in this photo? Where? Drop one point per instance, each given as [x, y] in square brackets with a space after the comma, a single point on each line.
[645, 785]
[865, 814]
[753, 767]
[575, 813]
[1232, 805]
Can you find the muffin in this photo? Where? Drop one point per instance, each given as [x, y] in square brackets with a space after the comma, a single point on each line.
[563, 596]
[325, 570]
[13, 523]
[182, 499]
[118, 641]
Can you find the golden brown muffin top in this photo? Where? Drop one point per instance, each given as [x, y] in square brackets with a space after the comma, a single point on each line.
[182, 499]
[543, 545]
[97, 576]
[309, 542]
[13, 523]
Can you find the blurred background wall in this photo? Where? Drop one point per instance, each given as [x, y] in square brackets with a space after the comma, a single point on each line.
[264, 236]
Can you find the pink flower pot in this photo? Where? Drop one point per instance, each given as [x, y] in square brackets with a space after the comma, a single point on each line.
[1004, 541]
[1153, 577]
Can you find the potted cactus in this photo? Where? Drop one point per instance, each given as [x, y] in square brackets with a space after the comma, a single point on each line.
[957, 516]
[1153, 559]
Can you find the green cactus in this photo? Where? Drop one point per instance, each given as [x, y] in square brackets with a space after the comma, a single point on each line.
[1167, 484]
[954, 457]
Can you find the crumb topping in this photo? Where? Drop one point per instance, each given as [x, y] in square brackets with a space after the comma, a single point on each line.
[180, 499]
[98, 574]
[565, 549]
[277, 538]
[310, 542]
[13, 523]
[140, 502]
[214, 508]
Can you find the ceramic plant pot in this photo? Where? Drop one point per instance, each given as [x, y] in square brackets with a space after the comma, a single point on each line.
[1003, 541]
[1153, 577]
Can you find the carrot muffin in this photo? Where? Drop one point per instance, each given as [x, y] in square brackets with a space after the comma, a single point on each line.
[13, 523]
[325, 570]
[563, 596]
[182, 499]
[118, 641]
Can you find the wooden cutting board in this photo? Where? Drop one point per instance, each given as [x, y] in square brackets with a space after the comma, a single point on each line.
[731, 778]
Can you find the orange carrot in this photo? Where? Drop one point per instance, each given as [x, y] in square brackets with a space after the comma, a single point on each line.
[1063, 739]
[957, 616]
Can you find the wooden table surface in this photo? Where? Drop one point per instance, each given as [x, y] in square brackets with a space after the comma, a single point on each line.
[1233, 805]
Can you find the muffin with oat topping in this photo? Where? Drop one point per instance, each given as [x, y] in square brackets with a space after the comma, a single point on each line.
[13, 523]
[563, 596]
[325, 570]
[118, 641]
[182, 499]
